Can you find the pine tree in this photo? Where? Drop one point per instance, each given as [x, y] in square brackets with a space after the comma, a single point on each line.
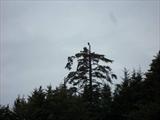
[89, 70]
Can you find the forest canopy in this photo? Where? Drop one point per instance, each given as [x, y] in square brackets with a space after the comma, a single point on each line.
[89, 97]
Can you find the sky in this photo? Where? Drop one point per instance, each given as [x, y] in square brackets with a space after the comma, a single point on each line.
[37, 36]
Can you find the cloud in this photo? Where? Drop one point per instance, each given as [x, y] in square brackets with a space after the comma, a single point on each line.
[38, 37]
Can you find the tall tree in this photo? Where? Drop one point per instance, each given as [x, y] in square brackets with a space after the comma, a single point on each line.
[90, 67]
[6, 113]
[127, 95]
[152, 81]
[149, 103]
[20, 108]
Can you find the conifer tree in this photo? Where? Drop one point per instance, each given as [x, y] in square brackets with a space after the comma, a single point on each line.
[89, 70]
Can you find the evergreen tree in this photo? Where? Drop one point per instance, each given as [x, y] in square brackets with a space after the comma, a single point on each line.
[136, 98]
[6, 113]
[20, 108]
[127, 95]
[148, 107]
[89, 70]
[36, 105]
[105, 103]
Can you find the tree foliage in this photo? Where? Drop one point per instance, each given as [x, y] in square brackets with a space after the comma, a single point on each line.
[91, 70]
[137, 97]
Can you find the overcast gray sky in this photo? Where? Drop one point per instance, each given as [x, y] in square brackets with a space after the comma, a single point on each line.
[38, 36]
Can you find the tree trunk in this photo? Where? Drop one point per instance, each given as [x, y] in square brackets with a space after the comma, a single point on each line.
[90, 75]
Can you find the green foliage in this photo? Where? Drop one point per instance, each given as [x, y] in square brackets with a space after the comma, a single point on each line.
[80, 76]
[137, 97]
[91, 72]
[126, 94]
[6, 113]
[148, 107]
[20, 108]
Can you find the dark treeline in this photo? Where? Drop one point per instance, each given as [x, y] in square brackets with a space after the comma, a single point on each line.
[137, 97]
